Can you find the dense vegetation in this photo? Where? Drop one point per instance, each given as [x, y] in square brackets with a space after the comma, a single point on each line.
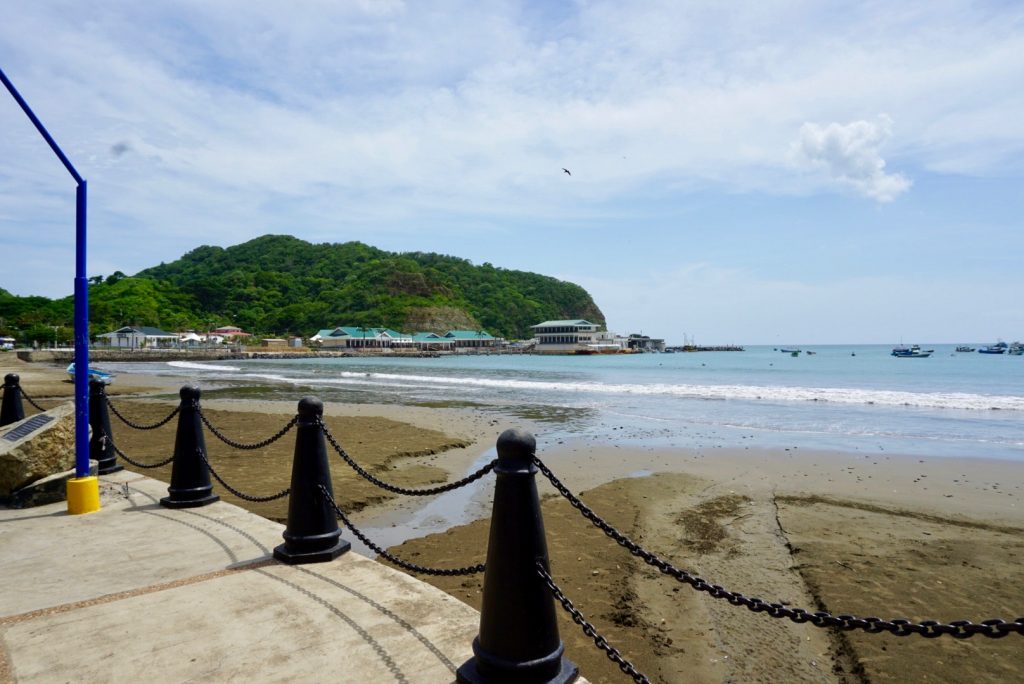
[278, 284]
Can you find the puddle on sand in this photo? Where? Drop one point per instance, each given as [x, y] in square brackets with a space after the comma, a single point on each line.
[416, 519]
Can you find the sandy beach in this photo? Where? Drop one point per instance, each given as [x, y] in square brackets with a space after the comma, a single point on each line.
[873, 535]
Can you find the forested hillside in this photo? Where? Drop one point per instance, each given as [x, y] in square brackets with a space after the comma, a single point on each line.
[278, 284]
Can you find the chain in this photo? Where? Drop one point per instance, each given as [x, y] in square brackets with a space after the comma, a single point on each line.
[138, 426]
[589, 629]
[444, 572]
[246, 497]
[242, 445]
[29, 400]
[107, 440]
[402, 490]
[930, 629]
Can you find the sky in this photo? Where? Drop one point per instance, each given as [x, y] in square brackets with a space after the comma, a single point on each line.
[742, 172]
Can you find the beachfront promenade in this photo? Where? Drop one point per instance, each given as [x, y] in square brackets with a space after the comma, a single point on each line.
[136, 592]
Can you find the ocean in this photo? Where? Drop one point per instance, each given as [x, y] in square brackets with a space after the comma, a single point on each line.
[850, 398]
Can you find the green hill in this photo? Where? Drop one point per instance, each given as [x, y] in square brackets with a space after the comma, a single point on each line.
[279, 284]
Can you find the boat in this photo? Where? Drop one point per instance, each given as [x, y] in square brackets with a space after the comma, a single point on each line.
[94, 374]
[997, 348]
[914, 352]
[1015, 349]
[790, 351]
[964, 348]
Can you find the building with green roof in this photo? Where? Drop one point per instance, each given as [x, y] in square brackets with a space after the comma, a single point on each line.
[471, 339]
[359, 337]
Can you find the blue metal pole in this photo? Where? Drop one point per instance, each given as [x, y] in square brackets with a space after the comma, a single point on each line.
[81, 293]
[81, 338]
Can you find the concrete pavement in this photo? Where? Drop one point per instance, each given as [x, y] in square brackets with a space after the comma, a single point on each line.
[139, 593]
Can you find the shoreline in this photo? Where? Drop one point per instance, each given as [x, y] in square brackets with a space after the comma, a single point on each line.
[881, 533]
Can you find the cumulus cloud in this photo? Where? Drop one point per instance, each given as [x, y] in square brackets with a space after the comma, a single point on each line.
[363, 120]
[850, 154]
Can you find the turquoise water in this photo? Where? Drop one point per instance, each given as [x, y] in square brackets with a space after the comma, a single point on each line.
[848, 398]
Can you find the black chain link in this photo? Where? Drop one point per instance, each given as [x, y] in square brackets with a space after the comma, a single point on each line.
[589, 629]
[29, 400]
[107, 440]
[402, 490]
[139, 426]
[930, 629]
[242, 445]
[443, 572]
[241, 495]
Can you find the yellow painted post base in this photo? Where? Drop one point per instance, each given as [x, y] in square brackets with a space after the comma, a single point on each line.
[83, 495]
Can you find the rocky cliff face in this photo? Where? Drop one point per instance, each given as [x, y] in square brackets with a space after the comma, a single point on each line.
[439, 319]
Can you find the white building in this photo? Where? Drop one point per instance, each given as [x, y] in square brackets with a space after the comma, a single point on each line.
[137, 337]
[575, 337]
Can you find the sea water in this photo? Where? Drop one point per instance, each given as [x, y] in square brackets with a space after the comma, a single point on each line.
[844, 397]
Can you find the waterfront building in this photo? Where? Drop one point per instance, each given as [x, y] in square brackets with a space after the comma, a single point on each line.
[359, 337]
[428, 341]
[639, 342]
[229, 332]
[471, 339]
[137, 337]
[575, 337]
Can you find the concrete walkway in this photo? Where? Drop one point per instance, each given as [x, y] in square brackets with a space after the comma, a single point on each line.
[139, 593]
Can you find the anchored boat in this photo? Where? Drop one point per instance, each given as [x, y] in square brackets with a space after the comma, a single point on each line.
[997, 348]
[914, 352]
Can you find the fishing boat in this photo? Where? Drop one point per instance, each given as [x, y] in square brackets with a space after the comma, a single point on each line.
[790, 351]
[997, 348]
[964, 348]
[94, 374]
[1015, 349]
[914, 352]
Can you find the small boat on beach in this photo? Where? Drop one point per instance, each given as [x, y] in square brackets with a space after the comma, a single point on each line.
[914, 352]
[94, 374]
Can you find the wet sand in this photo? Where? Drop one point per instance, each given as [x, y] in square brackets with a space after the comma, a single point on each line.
[885, 535]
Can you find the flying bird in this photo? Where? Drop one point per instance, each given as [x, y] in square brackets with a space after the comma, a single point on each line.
[566, 171]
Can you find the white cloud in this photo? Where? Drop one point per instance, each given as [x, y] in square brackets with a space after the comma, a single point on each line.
[851, 155]
[347, 120]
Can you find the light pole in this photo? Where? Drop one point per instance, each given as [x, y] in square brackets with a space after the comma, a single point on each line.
[83, 490]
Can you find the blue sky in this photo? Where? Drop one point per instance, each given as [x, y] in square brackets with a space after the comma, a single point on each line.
[763, 172]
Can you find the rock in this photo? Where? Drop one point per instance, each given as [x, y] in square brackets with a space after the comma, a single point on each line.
[50, 489]
[48, 450]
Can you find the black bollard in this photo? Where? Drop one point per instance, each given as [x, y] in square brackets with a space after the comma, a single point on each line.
[190, 477]
[312, 534]
[518, 640]
[11, 410]
[101, 445]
